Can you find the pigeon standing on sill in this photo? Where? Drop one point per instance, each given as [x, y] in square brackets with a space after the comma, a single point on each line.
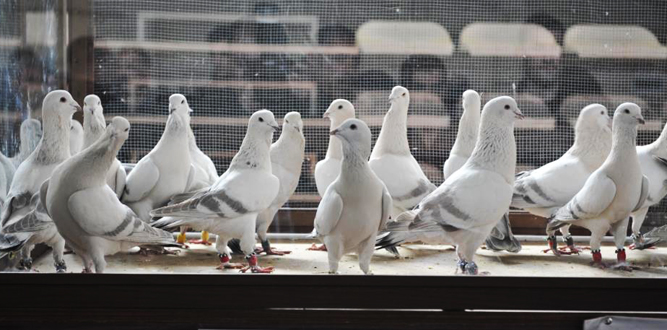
[469, 204]
[88, 213]
[392, 161]
[167, 169]
[612, 192]
[230, 207]
[356, 206]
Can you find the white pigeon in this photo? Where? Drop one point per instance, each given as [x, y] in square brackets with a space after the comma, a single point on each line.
[543, 190]
[167, 169]
[467, 206]
[612, 192]
[57, 110]
[356, 205]
[87, 212]
[653, 160]
[34, 228]
[230, 207]
[31, 134]
[94, 125]
[392, 161]
[205, 176]
[327, 169]
[466, 137]
[75, 137]
[287, 156]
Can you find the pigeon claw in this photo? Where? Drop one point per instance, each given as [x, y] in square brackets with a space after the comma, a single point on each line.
[314, 247]
[272, 251]
[257, 269]
[230, 265]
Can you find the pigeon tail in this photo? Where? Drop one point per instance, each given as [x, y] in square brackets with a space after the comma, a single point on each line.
[502, 239]
[235, 246]
[182, 209]
[10, 243]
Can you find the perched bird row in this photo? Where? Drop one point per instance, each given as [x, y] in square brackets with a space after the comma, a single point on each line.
[72, 190]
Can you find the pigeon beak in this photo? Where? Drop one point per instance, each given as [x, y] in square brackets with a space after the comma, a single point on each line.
[275, 127]
[641, 120]
[334, 132]
[518, 114]
[171, 110]
[326, 114]
[392, 98]
[76, 107]
[190, 110]
[609, 122]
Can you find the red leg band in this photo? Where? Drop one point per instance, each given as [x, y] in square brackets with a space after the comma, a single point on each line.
[597, 256]
[620, 255]
[224, 258]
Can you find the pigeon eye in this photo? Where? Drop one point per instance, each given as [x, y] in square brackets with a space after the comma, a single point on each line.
[626, 111]
[340, 107]
[353, 126]
[98, 103]
[287, 121]
[127, 129]
[602, 112]
[63, 99]
[507, 106]
[403, 94]
[261, 119]
[182, 101]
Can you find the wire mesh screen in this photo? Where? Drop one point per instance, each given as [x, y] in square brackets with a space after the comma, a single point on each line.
[232, 58]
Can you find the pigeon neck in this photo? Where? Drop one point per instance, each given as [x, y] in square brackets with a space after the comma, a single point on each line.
[624, 141]
[176, 131]
[290, 147]
[354, 158]
[54, 146]
[466, 137]
[592, 145]
[495, 149]
[97, 159]
[335, 149]
[254, 153]
[393, 137]
[93, 129]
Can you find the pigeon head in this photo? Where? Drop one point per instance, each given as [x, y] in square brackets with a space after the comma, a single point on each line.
[119, 129]
[355, 134]
[399, 95]
[595, 115]
[629, 114]
[339, 109]
[61, 103]
[91, 105]
[76, 128]
[503, 108]
[471, 100]
[179, 105]
[293, 122]
[263, 121]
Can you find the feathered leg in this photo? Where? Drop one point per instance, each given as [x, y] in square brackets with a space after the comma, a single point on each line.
[334, 253]
[248, 247]
[365, 251]
[225, 254]
[58, 252]
[619, 230]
